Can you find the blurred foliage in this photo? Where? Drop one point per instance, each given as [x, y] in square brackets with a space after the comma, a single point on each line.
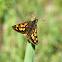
[13, 44]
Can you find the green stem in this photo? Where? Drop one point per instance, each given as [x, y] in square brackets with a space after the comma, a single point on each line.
[30, 52]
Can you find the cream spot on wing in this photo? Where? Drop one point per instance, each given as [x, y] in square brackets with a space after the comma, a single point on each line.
[16, 28]
[35, 34]
[16, 25]
[34, 41]
[35, 30]
[33, 37]
[23, 29]
[20, 29]
[36, 38]
[22, 25]
[25, 24]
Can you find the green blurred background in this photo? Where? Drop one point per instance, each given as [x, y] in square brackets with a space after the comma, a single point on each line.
[13, 44]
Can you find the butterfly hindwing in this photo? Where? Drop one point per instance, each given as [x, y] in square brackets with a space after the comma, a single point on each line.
[21, 28]
[33, 36]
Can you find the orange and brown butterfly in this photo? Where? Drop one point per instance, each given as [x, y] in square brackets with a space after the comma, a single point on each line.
[29, 28]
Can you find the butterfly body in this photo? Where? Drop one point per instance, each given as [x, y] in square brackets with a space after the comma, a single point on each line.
[29, 28]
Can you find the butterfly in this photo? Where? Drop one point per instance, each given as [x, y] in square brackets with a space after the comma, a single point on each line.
[30, 29]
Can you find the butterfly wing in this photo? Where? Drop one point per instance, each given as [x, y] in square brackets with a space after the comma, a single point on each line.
[28, 28]
[33, 36]
[21, 28]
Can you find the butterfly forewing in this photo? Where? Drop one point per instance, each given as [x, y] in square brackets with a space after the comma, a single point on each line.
[21, 28]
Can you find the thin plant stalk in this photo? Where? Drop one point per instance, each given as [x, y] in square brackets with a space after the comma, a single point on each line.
[30, 52]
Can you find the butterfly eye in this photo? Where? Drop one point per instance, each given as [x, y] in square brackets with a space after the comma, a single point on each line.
[36, 20]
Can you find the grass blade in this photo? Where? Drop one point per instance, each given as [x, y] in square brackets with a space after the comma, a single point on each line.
[30, 52]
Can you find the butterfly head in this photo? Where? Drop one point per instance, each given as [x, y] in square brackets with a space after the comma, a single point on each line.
[36, 20]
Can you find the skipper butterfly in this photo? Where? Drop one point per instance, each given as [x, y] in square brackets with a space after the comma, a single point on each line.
[29, 28]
